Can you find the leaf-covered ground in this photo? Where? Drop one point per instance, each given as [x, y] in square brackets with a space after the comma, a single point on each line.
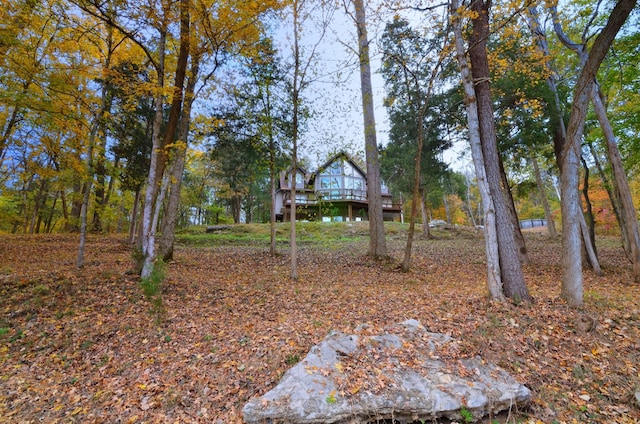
[82, 346]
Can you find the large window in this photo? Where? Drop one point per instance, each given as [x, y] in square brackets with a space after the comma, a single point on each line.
[299, 180]
[342, 181]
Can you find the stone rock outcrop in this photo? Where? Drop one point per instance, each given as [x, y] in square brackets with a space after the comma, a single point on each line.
[406, 374]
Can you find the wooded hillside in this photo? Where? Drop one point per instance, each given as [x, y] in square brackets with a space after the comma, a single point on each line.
[84, 346]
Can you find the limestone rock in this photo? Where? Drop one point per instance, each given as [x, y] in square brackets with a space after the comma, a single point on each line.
[407, 374]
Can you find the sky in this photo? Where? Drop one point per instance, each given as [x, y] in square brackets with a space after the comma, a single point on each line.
[335, 91]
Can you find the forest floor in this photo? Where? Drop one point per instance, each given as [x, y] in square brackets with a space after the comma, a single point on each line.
[83, 346]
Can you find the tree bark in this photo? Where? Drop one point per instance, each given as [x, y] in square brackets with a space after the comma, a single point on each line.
[147, 240]
[425, 214]
[513, 216]
[133, 224]
[572, 285]
[627, 217]
[98, 127]
[377, 240]
[589, 219]
[631, 232]
[511, 271]
[159, 155]
[294, 139]
[494, 281]
[168, 237]
[406, 263]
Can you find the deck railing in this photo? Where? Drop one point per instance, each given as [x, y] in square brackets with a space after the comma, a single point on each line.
[339, 195]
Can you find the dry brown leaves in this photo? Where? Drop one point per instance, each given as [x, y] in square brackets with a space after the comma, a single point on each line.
[81, 346]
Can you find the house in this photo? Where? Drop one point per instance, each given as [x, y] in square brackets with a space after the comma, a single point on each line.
[337, 191]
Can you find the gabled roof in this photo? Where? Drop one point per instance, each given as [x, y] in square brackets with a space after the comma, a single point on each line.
[340, 155]
[284, 175]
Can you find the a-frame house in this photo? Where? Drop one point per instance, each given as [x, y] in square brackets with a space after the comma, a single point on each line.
[337, 191]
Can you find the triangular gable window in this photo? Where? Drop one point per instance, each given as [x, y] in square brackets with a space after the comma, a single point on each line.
[341, 180]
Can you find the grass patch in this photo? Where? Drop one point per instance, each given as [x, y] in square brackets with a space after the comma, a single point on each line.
[330, 234]
[152, 289]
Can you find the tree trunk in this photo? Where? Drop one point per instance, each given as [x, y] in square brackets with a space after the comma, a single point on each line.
[628, 212]
[589, 219]
[97, 127]
[425, 214]
[551, 226]
[513, 215]
[511, 271]
[272, 189]
[100, 178]
[494, 281]
[73, 222]
[572, 286]
[133, 225]
[613, 198]
[37, 202]
[627, 218]
[147, 241]
[158, 155]
[406, 263]
[297, 71]
[559, 143]
[377, 240]
[49, 220]
[167, 239]
[170, 217]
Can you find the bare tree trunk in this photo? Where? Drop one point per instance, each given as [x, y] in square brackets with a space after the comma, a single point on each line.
[73, 218]
[99, 167]
[425, 214]
[551, 226]
[573, 226]
[167, 239]
[272, 208]
[572, 285]
[377, 240]
[294, 141]
[621, 186]
[613, 198]
[47, 225]
[168, 231]
[110, 187]
[589, 248]
[406, 263]
[589, 219]
[513, 215]
[148, 254]
[158, 155]
[134, 218]
[470, 211]
[514, 285]
[494, 281]
[37, 203]
[96, 126]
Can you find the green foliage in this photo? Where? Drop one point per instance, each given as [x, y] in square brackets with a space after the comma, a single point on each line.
[331, 399]
[466, 415]
[408, 59]
[152, 289]
[292, 359]
[8, 213]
